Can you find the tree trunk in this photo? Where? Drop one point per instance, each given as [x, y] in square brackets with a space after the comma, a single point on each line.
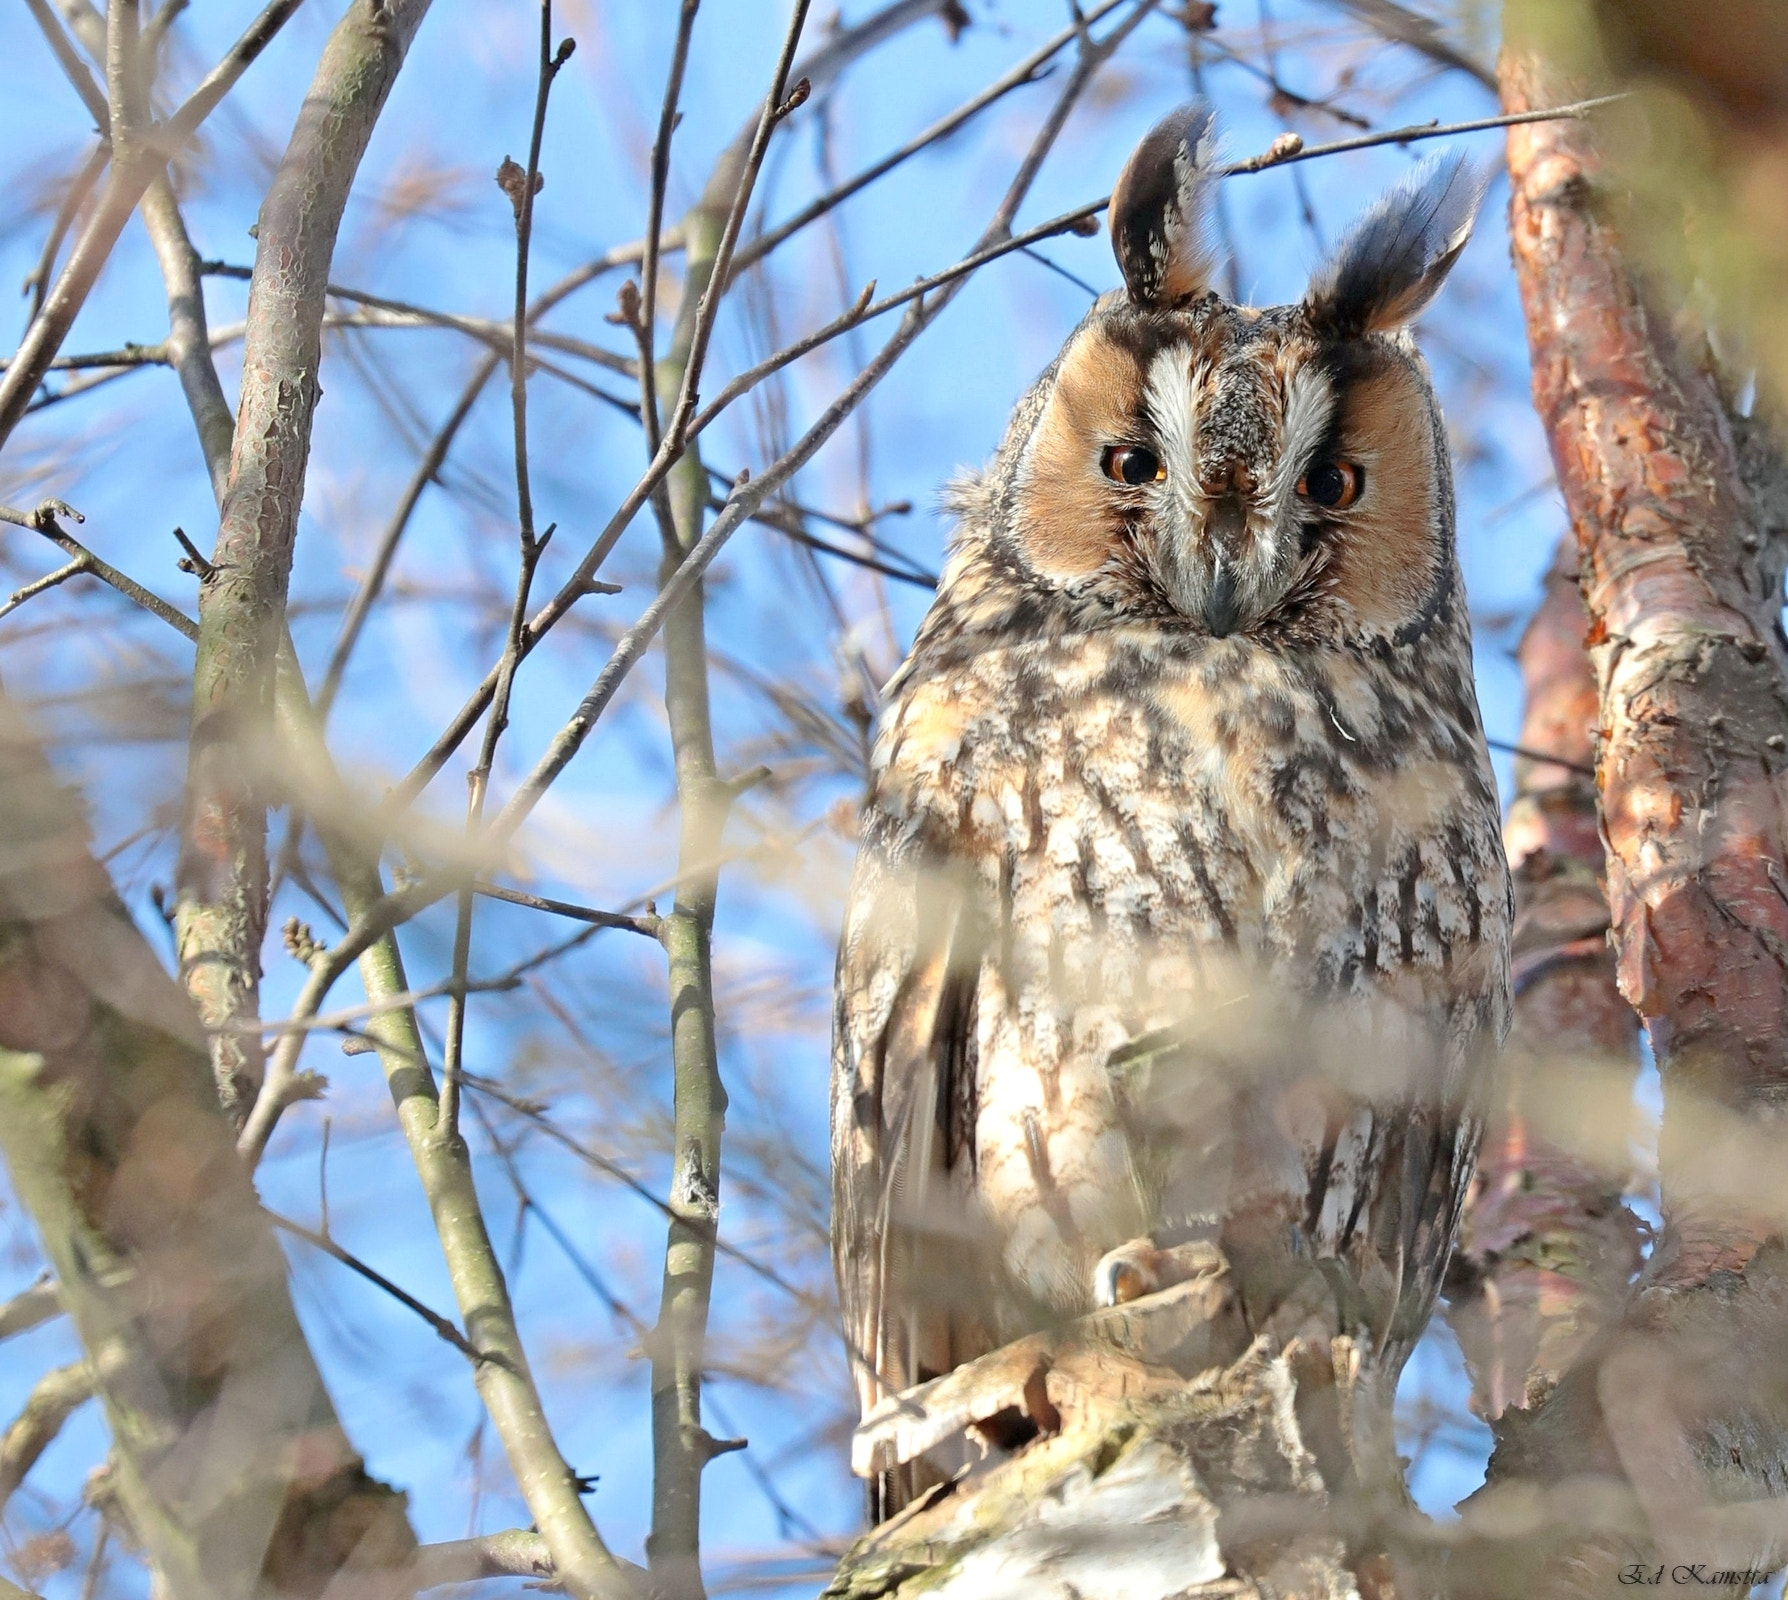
[1680, 1411]
[1548, 1247]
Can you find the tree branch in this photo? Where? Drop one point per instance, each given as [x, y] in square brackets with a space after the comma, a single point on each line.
[1547, 1246]
[54, 1398]
[132, 171]
[29, 1308]
[532, 546]
[221, 882]
[504, 1379]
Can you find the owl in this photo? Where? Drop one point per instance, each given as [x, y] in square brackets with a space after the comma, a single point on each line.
[1180, 921]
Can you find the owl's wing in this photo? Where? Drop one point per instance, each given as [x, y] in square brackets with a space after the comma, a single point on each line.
[903, 1061]
[1389, 1183]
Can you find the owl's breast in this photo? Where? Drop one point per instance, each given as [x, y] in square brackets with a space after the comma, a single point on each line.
[1125, 799]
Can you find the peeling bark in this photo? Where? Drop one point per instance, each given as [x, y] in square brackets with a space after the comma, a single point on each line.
[1146, 1452]
[1683, 591]
[1681, 1410]
[1548, 1247]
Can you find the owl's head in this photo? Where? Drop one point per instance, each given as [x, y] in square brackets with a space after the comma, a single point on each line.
[1221, 469]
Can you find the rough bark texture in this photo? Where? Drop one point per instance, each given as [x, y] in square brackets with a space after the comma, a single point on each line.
[1683, 586]
[1147, 1452]
[1548, 1247]
[222, 882]
[231, 1466]
[1682, 1408]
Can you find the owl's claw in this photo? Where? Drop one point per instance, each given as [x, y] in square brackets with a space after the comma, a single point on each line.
[1140, 1267]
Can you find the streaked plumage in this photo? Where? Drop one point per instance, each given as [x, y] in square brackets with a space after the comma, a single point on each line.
[1181, 909]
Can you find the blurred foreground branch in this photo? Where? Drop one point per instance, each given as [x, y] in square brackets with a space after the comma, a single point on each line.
[232, 1468]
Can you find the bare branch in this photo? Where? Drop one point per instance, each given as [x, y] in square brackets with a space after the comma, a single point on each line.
[189, 345]
[132, 171]
[1390, 20]
[504, 1379]
[522, 189]
[73, 67]
[45, 520]
[221, 882]
[517, 1553]
[26, 1309]
[646, 926]
[646, 323]
[1025, 73]
[54, 1398]
[322, 1241]
[366, 596]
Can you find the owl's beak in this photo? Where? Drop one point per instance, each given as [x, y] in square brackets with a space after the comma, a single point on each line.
[1225, 527]
[1222, 610]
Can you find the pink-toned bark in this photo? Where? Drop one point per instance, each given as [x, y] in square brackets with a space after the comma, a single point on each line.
[1548, 1247]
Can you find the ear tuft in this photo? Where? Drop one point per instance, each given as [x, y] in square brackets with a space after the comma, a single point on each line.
[1396, 257]
[1155, 209]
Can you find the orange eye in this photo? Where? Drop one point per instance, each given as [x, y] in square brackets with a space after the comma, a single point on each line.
[1334, 485]
[1131, 464]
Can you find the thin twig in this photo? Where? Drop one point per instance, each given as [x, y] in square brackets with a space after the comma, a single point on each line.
[613, 1169]
[38, 283]
[330, 1021]
[131, 172]
[73, 67]
[372, 585]
[319, 1241]
[777, 105]
[1527, 754]
[646, 927]
[447, 1122]
[45, 520]
[1022, 75]
[789, 527]
[385, 312]
[646, 323]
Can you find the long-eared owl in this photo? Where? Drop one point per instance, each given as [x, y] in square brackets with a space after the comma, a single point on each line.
[1181, 913]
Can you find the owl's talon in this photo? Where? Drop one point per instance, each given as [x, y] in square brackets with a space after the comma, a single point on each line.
[1140, 1268]
[1126, 1273]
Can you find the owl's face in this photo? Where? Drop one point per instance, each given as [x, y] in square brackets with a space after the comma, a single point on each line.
[1276, 473]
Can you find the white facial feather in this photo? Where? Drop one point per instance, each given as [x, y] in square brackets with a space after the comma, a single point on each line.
[1309, 409]
[1172, 393]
